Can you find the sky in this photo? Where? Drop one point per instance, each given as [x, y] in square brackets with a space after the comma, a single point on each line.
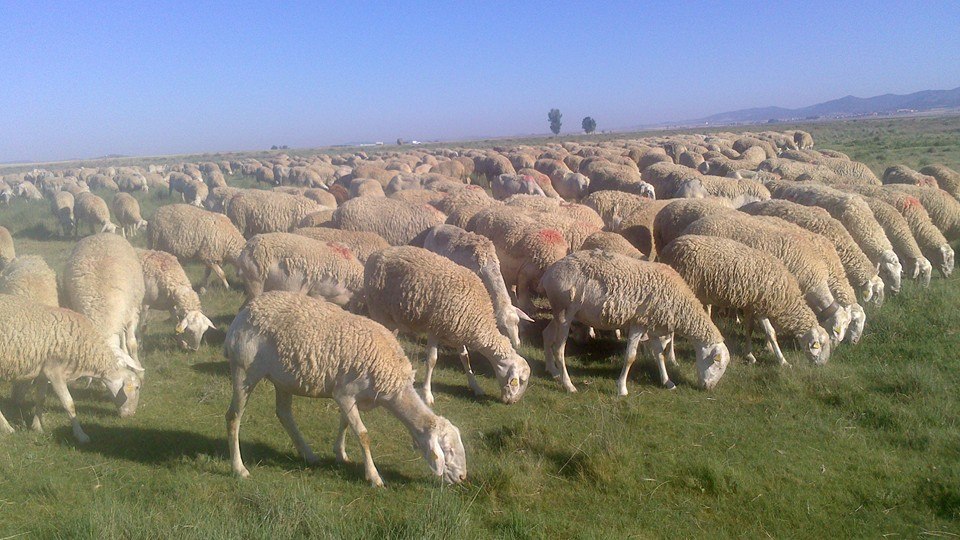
[87, 79]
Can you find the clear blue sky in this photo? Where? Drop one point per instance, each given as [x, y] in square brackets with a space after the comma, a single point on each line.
[82, 79]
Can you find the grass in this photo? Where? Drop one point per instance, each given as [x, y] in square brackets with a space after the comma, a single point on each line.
[865, 446]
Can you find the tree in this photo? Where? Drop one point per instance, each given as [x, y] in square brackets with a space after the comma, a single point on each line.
[554, 117]
[589, 125]
[399, 141]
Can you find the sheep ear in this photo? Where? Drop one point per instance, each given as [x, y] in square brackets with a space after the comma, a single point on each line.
[523, 316]
[133, 364]
[181, 326]
[209, 322]
[437, 461]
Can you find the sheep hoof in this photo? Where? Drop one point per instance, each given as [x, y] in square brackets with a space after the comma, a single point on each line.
[82, 438]
[751, 358]
[622, 392]
[669, 385]
[311, 459]
[242, 472]
[376, 482]
[569, 387]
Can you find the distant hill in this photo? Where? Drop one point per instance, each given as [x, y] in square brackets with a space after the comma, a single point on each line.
[844, 107]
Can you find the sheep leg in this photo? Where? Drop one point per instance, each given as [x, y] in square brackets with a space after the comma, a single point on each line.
[348, 407]
[672, 355]
[772, 341]
[471, 378]
[133, 347]
[556, 334]
[340, 445]
[431, 362]
[748, 339]
[63, 393]
[285, 415]
[658, 345]
[629, 356]
[241, 392]
[41, 396]
[5, 427]
[220, 274]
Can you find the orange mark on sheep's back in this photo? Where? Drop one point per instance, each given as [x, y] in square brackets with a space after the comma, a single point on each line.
[551, 236]
[911, 202]
[340, 249]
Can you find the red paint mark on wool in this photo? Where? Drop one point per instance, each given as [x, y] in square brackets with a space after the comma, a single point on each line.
[551, 236]
[340, 249]
[911, 202]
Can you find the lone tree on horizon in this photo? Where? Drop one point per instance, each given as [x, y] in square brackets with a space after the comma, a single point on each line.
[589, 125]
[555, 123]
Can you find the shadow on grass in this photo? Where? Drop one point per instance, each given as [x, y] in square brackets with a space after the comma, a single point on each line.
[151, 446]
[38, 232]
[212, 368]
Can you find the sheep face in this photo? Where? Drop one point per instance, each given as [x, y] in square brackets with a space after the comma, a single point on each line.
[891, 270]
[816, 345]
[124, 387]
[872, 290]
[945, 266]
[837, 325]
[191, 328]
[712, 361]
[857, 320]
[443, 450]
[925, 271]
[511, 325]
[513, 378]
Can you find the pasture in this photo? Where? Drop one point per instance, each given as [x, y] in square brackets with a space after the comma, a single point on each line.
[866, 446]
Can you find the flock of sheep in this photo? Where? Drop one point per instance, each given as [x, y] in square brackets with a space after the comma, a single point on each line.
[338, 253]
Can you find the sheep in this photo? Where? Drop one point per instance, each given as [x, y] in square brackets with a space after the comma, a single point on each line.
[739, 191]
[847, 169]
[415, 290]
[61, 346]
[673, 218]
[27, 191]
[361, 243]
[525, 249]
[103, 280]
[947, 178]
[62, 207]
[366, 187]
[901, 238]
[605, 175]
[478, 254]
[30, 277]
[196, 192]
[637, 227]
[671, 181]
[178, 181]
[725, 273]
[506, 185]
[398, 222]
[612, 243]
[92, 210]
[901, 174]
[469, 196]
[932, 243]
[127, 210]
[944, 210]
[856, 216]
[607, 291]
[613, 206]
[193, 234]
[217, 199]
[795, 252]
[290, 262]
[167, 288]
[859, 270]
[349, 358]
[257, 212]
[571, 186]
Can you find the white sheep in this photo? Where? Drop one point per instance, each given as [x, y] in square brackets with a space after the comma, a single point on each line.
[901, 238]
[349, 358]
[608, 291]
[361, 243]
[256, 211]
[103, 280]
[7, 250]
[194, 234]
[725, 273]
[290, 262]
[127, 210]
[478, 254]
[414, 290]
[43, 343]
[62, 207]
[30, 277]
[167, 288]
[944, 210]
[92, 210]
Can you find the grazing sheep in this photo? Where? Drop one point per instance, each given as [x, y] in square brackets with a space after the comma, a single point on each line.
[322, 218]
[637, 227]
[525, 249]
[257, 212]
[30, 277]
[130, 182]
[398, 222]
[727, 274]
[469, 196]
[103, 280]
[607, 291]
[61, 346]
[196, 192]
[127, 210]
[62, 207]
[167, 288]
[855, 215]
[795, 252]
[901, 238]
[478, 254]
[27, 191]
[672, 181]
[673, 218]
[859, 270]
[605, 175]
[613, 206]
[92, 210]
[414, 290]
[901, 174]
[739, 191]
[361, 243]
[349, 358]
[943, 209]
[612, 243]
[947, 178]
[193, 234]
[290, 262]
[505, 185]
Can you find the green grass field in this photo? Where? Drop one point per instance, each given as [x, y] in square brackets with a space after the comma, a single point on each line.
[867, 446]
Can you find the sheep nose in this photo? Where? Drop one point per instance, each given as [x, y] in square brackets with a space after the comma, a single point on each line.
[462, 477]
